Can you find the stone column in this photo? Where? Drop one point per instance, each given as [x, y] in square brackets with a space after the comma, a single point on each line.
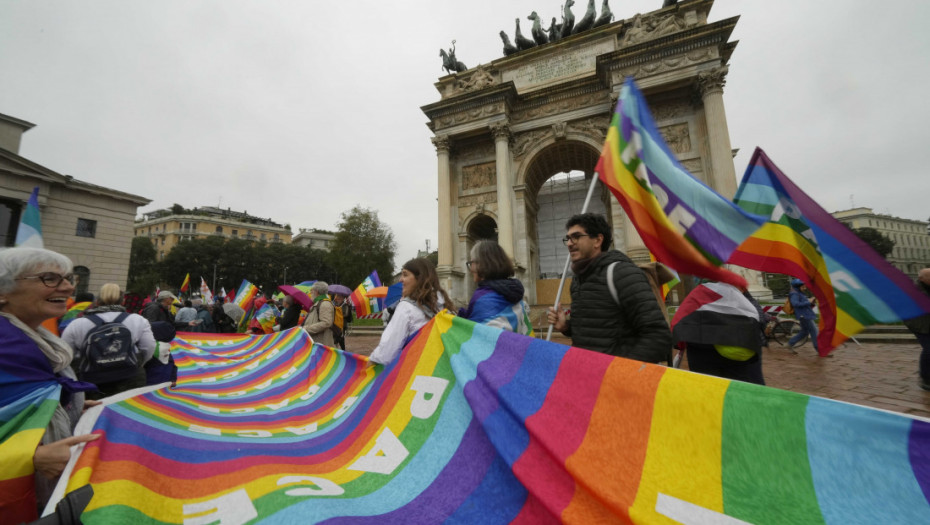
[501, 132]
[445, 201]
[711, 85]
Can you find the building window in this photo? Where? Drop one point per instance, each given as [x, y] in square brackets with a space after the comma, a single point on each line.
[219, 229]
[86, 228]
[161, 255]
[235, 233]
[9, 221]
[262, 237]
[277, 238]
[162, 241]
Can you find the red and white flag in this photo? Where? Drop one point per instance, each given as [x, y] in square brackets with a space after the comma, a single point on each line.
[205, 292]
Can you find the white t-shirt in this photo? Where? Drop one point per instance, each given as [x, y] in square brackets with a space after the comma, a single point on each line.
[407, 319]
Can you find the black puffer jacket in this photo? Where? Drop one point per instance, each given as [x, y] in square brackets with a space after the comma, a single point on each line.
[635, 328]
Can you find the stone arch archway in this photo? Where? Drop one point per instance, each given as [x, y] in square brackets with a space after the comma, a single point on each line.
[502, 129]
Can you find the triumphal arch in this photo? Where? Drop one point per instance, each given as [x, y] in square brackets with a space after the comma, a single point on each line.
[503, 130]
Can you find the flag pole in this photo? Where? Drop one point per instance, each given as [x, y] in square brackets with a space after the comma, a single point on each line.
[568, 258]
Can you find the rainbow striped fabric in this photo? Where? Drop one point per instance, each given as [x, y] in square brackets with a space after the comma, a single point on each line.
[855, 287]
[683, 222]
[363, 304]
[476, 425]
[75, 311]
[266, 316]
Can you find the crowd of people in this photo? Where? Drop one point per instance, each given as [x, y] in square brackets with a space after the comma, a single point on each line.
[616, 309]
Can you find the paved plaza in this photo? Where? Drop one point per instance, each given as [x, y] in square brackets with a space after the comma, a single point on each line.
[880, 375]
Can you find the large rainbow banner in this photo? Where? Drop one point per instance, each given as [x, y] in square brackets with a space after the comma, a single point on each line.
[476, 425]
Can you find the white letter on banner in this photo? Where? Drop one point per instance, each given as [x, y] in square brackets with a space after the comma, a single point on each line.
[204, 430]
[844, 282]
[310, 392]
[242, 410]
[208, 380]
[682, 218]
[690, 514]
[237, 394]
[302, 431]
[261, 386]
[210, 395]
[384, 457]
[253, 365]
[289, 373]
[325, 487]
[429, 392]
[345, 407]
[253, 434]
[209, 409]
[661, 196]
[282, 404]
[230, 375]
[234, 508]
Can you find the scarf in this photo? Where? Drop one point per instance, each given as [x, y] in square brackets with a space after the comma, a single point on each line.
[58, 353]
[105, 308]
[581, 265]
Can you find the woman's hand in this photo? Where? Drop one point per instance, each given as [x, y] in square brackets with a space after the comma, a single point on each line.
[88, 403]
[50, 460]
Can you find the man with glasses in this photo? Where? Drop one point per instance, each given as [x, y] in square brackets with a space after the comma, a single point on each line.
[622, 320]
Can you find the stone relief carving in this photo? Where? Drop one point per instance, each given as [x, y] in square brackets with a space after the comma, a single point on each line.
[479, 79]
[677, 137]
[558, 129]
[474, 152]
[648, 27]
[476, 200]
[479, 176]
[470, 115]
[672, 109]
[665, 64]
[595, 127]
[559, 106]
[713, 80]
[524, 141]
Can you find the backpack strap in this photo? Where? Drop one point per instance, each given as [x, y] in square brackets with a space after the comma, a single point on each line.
[610, 282]
[94, 318]
[120, 318]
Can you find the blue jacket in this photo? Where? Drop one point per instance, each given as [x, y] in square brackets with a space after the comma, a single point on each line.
[803, 309]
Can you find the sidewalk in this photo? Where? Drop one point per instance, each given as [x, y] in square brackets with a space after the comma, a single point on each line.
[879, 375]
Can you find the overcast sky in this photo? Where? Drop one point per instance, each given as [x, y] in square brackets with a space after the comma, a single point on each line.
[299, 110]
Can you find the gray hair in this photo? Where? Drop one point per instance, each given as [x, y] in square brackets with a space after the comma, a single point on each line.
[320, 288]
[16, 262]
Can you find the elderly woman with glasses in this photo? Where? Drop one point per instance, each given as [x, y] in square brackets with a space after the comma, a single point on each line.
[38, 388]
[498, 301]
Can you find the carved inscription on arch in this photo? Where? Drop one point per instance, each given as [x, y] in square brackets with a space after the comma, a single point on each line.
[479, 176]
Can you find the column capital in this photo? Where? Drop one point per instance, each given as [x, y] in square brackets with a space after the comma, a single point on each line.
[712, 81]
[442, 143]
[501, 130]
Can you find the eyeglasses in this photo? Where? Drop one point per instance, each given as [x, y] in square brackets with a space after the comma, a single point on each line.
[50, 279]
[469, 263]
[573, 238]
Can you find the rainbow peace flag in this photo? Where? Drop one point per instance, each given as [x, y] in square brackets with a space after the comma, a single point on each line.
[266, 317]
[363, 304]
[854, 286]
[29, 394]
[683, 222]
[245, 299]
[75, 311]
[476, 425]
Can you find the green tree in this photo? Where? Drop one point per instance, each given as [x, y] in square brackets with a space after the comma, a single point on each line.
[143, 266]
[362, 244]
[874, 238]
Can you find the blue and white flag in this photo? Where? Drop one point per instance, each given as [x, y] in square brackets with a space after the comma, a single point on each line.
[29, 233]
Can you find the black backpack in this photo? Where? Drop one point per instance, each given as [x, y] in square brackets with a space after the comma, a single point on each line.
[109, 354]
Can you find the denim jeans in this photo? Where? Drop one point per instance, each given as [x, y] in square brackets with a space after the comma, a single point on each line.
[808, 327]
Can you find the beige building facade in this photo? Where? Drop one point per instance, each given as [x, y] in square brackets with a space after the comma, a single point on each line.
[166, 228]
[314, 238]
[911, 238]
[91, 224]
[502, 130]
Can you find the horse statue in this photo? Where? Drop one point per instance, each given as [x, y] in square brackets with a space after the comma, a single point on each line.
[449, 62]
[538, 34]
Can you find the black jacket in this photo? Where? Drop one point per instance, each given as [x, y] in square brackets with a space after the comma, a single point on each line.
[635, 328]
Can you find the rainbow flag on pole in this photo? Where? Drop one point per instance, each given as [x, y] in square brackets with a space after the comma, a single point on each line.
[476, 425]
[855, 287]
[29, 233]
[363, 304]
[683, 222]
